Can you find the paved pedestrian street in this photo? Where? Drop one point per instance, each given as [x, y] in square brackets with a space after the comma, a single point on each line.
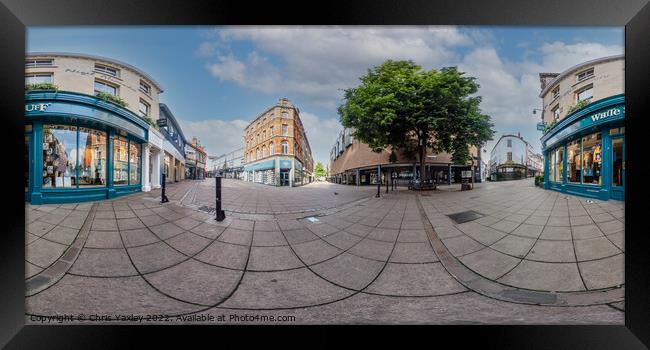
[503, 253]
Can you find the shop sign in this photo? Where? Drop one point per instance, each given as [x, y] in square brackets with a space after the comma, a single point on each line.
[466, 173]
[161, 121]
[585, 122]
[541, 126]
[41, 107]
[609, 113]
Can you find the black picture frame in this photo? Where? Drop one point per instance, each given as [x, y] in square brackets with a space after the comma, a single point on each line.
[633, 14]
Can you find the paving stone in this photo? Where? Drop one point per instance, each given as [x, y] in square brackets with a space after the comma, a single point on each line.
[415, 280]
[75, 222]
[39, 228]
[166, 231]
[609, 227]
[62, 235]
[360, 230]
[486, 235]
[152, 220]
[143, 212]
[269, 239]
[562, 233]
[130, 224]
[104, 239]
[618, 239]
[44, 253]
[586, 231]
[559, 277]
[505, 226]
[187, 223]
[595, 248]
[138, 237]
[196, 282]
[124, 214]
[154, 257]
[383, 234]
[29, 238]
[518, 218]
[552, 251]
[448, 232]
[105, 214]
[52, 218]
[372, 249]
[188, 243]
[299, 236]
[225, 255]
[489, 263]
[104, 225]
[283, 289]
[412, 236]
[208, 231]
[462, 245]
[103, 263]
[266, 225]
[413, 253]
[514, 245]
[530, 231]
[581, 220]
[349, 270]
[272, 258]
[536, 220]
[604, 273]
[558, 221]
[315, 251]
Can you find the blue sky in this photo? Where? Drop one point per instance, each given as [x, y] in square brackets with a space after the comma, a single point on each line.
[216, 79]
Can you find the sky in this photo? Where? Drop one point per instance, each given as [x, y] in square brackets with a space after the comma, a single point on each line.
[216, 79]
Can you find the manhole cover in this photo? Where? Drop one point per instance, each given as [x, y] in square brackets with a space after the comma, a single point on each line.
[465, 216]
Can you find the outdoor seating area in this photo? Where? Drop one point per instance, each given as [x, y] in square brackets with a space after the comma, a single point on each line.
[418, 185]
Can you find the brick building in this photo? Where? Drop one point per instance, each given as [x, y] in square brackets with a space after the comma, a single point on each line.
[353, 162]
[276, 149]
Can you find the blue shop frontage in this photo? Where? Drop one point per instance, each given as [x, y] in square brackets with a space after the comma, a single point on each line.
[276, 171]
[80, 148]
[584, 154]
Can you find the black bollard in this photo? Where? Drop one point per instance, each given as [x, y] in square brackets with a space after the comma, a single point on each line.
[378, 181]
[163, 197]
[220, 213]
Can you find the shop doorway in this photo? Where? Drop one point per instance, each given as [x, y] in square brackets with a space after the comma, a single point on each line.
[27, 167]
[284, 178]
[618, 167]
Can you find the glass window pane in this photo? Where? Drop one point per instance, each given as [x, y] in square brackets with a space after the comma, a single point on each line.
[120, 161]
[573, 161]
[92, 157]
[559, 164]
[102, 87]
[551, 165]
[617, 163]
[38, 78]
[59, 156]
[134, 159]
[592, 158]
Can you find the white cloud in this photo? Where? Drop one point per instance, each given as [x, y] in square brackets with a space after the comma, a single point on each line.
[218, 136]
[321, 133]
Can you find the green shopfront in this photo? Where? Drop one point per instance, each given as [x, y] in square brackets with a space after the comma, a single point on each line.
[80, 148]
[584, 154]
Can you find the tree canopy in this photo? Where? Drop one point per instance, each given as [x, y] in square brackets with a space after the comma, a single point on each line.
[400, 104]
[319, 170]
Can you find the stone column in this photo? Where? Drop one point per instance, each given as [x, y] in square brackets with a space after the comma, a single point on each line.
[156, 155]
[146, 183]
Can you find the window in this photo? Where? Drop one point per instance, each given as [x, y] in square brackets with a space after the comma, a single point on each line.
[258, 138]
[556, 112]
[92, 157]
[271, 131]
[264, 135]
[59, 156]
[38, 78]
[617, 164]
[41, 62]
[285, 115]
[144, 109]
[285, 147]
[584, 75]
[285, 129]
[144, 87]
[120, 161]
[585, 94]
[591, 159]
[271, 149]
[272, 116]
[257, 154]
[558, 157]
[134, 163]
[263, 151]
[556, 92]
[509, 156]
[107, 70]
[509, 143]
[101, 86]
[573, 161]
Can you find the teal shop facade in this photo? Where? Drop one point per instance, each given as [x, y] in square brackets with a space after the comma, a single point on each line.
[584, 154]
[80, 148]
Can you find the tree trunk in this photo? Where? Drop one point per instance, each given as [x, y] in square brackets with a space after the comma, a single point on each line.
[423, 151]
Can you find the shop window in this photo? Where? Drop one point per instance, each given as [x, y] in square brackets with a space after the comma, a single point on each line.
[92, 157]
[107, 70]
[617, 163]
[101, 86]
[552, 163]
[59, 156]
[585, 94]
[558, 167]
[38, 78]
[271, 149]
[591, 159]
[285, 147]
[134, 163]
[120, 161]
[573, 161]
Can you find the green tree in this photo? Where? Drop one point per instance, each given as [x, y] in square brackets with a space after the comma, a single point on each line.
[400, 104]
[319, 170]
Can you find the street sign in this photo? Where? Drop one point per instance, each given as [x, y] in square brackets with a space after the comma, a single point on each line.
[466, 173]
[541, 126]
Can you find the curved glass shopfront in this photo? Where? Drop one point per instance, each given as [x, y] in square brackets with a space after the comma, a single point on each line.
[79, 148]
[585, 153]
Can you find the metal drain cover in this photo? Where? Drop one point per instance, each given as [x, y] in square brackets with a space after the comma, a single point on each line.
[465, 216]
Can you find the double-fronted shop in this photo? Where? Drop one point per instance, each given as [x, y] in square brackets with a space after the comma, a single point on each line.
[584, 154]
[80, 148]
